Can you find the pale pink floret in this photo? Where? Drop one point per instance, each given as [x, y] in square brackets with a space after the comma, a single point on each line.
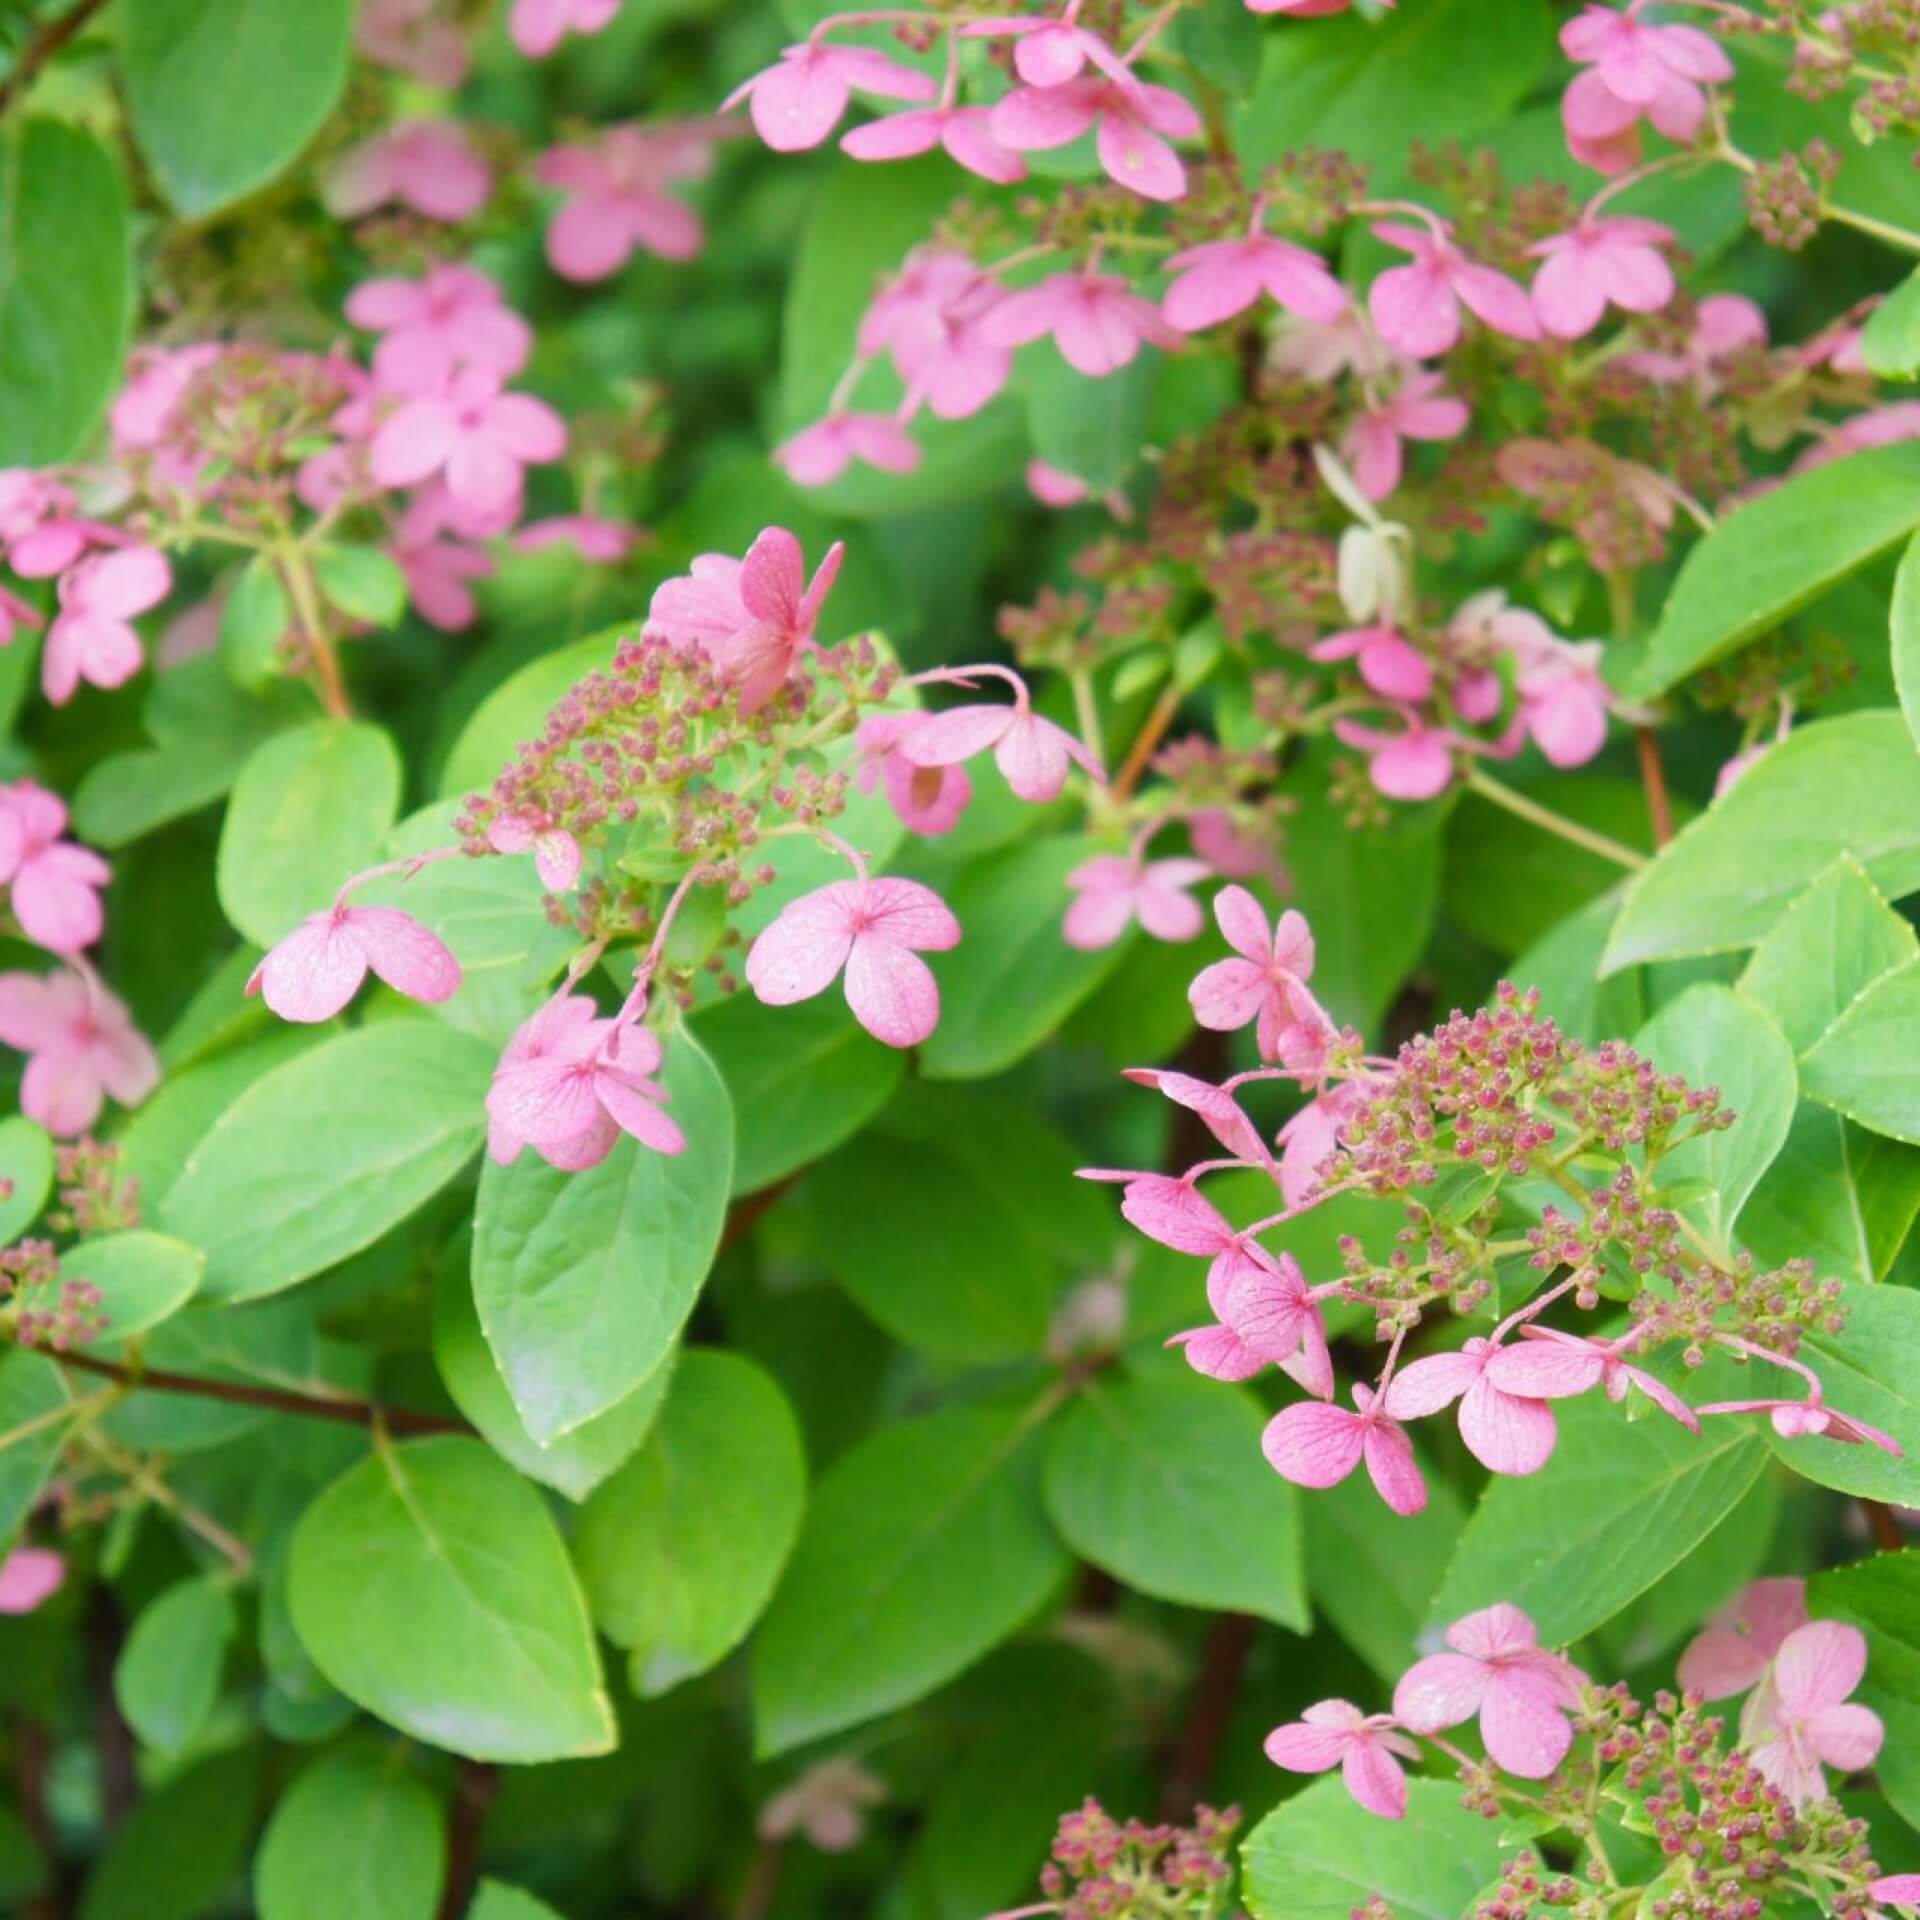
[1265, 1316]
[1133, 123]
[1049, 53]
[1266, 984]
[479, 437]
[423, 164]
[1096, 319]
[1318, 1445]
[876, 930]
[1737, 1647]
[1388, 663]
[81, 1045]
[818, 455]
[1415, 764]
[1366, 1748]
[1031, 752]
[92, 636]
[410, 37]
[54, 884]
[556, 853]
[569, 1084]
[438, 573]
[539, 26]
[1897, 1889]
[1417, 307]
[1806, 1720]
[966, 133]
[1221, 278]
[1724, 325]
[928, 800]
[1417, 410]
[1498, 1670]
[798, 101]
[1635, 70]
[599, 541]
[318, 967]
[617, 199]
[1114, 890]
[453, 317]
[1551, 1365]
[1506, 1432]
[931, 318]
[1876, 427]
[1611, 260]
[29, 1576]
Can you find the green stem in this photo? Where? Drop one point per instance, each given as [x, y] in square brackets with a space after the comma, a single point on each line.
[1546, 819]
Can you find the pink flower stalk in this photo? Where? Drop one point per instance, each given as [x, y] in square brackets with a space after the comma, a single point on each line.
[876, 930]
[556, 853]
[1506, 1432]
[754, 617]
[1116, 889]
[570, 1083]
[1388, 663]
[28, 1577]
[1417, 307]
[1551, 1365]
[539, 26]
[601, 542]
[425, 165]
[1498, 1670]
[1032, 753]
[818, 455]
[411, 37]
[1133, 123]
[54, 884]
[1634, 70]
[1807, 1720]
[798, 101]
[1266, 1315]
[1732, 1654]
[1266, 984]
[1347, 344]
[80, 1046]
[92, 636]
[1801, 1419]
[454, 317]
[312, 973]
[927, 800]
[1367, 1748]
[966, 133]
[479, 437]
[1724, 324]
[1418, 410]
[1564, 702]
[1316, 1445]
[1613, 259]
[1096, 319]
[1414, 765]
[931, 318]
[1215, 281]
[1048, 53]
[618, 202]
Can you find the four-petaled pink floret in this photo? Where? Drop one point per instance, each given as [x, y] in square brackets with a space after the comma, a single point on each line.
[1113, 890]
[1266, 984]
[1803, 1720]
[81, 1045]
[312, 973]
[1366, 1747]
[53, 884]
[1506, 1432]
[798, 101]
[1736, 1648]
[1315, 1444]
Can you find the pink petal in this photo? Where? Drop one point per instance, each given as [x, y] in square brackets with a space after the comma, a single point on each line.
[404, 954]
[1439, 1692]
[1303, 1748]
[1521, 1723]
[805, 947]
[313, 972]
[967, 135]
[1314, 1445]
[1228, 994]
[1819, 1665]
[945, 739]
[1504, 1433]
[796, 103]
[1392, 1468]
[638, 1115]
[1219, 1353]
[1501, 303]
[587, 240]
[891, 991]
[1720, 1662]
[1498, 1632]
[1173, 1212]
[1032, 119]
[413, 442]
[1847, 1738]
[898, 136]
[1138, 159]
[1243, 922]
[1430, 1384]
[1415, 310]
[906, 914]
[1374, 1779]
[1546, 1370]
[773, 577]
[28, 1576]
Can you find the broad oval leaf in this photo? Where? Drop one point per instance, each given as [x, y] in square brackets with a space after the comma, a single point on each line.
[26, 1169]
[1890, 340]
[516, 709]
[34, 1398]
[680, 1550]
[180, 1851]
[321, 1156]
[356, 1833]
[495, 1900]
[168, 1675]
[1881, 1596]
[311, 807]
[1906, 630]
[1865, 1065]
[584, 1280]
[923, 1548]
[142, 1277]
[430, 1585]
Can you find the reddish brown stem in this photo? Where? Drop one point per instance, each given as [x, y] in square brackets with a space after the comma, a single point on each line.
[1653, 777]
[476, 1787]
[1190, 1766]
[1146, 741]
[1885, 1529]
[42, 47]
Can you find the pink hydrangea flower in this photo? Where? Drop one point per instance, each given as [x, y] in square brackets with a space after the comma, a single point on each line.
[1096, 319]
[931, 318]
[411, 37]
[1215, 281]
[1551, 1365]
[618, 200]
[1054, 488]
[1416, 764]
[30, 1576]
[928, 800]
[1807, 1720]
[1347, 344]
[1417, 307]
[1388, 662]
[92, 636]
[1614, 259]
[1266, 1315]
[1266, 983]
[1506, 1432]
[1116, 889]
[1048, 53]
[312, 973]
[539, 26]
[1635, 70]
[1133, 123]
[453, 317]
[1416, 410]
[80, 1044]
[1312, 1137]
[157, 377]
[556, 853]
[425, 165]
[1802, 1419]
[966, 133]
[798, 101]
[54, 883]
[818, 455]
[1732, 1654]
[479, 437]
[1897, 1889]
[1318, 1445]
[570, 1083]
[1367, 1748]
[41, 528]
[1497, 1670]
[603, 542]
[754, 617]
[876, 930]
[1724, 324]
[1876, 427]
[438, 573]
[1031, 752]
[1564, 701]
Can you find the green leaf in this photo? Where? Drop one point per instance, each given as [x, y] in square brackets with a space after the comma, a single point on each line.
[802, 1080]
[680, 1550]
[1777, 552]
[33, 1393]
[1321, 1855]
[1905, 620]
[168, 1674]
[1012, 979]
[319, 1157]
[1881, 1596]
[356, 1833]
[576, 1462]
[253, 623]
[364, 583]
[1619, 1503]
[1161, 1483]
[1716, 1036]
[142, 1277]
[66, 290]
[1565, 965]
[182, 1847]
[1865, 1066]
[1092, 429]
[584, 1280]
[1890, 341]
[514, 711]
[430, 1585]
[310, 808]
[26, 1169]
[1847, 785]
[1837, 1195]
[494, 1900]
[923, 1548]
[274, 68]
[1223, 43]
